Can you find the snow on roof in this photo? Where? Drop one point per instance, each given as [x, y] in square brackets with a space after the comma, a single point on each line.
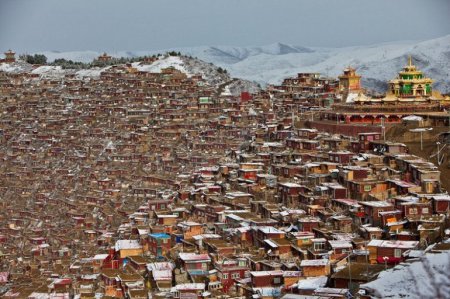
[312, 283]
[372, 229]
[290, 185]
[347, 201]
[234, 217]
[412, 118]
[188, 223]
[194, 257]
[401, 183]
[314, 263]
[143, 231]
[271, 243]
[270, 230]
[207, 236]
[351, 97]
[188, 286]
[162, 274]
[339, 244]
[127, 244]
[292, 273]
[444, 197]
[100, 256]
[376, 204]
[267, 273]
[426, 278]
[160, 266]
[394, 244]
[39, 295]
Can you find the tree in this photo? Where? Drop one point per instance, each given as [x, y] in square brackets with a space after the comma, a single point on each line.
[36, 59]
[221, 70]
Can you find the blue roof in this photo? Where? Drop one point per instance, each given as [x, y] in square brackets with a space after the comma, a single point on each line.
[160, 236]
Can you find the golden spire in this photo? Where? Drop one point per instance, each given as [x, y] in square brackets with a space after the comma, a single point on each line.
[409, 60]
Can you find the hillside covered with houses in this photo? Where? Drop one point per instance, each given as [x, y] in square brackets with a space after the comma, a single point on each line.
[167, 178]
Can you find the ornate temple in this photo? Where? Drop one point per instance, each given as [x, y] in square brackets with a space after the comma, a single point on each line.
[409, 93]
[411, 84]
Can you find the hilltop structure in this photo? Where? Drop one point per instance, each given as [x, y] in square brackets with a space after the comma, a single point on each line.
[409, 93]
[349, 82]
[104, 57]
[9, 57]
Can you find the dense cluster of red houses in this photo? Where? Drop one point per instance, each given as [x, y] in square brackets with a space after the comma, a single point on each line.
[155, 185]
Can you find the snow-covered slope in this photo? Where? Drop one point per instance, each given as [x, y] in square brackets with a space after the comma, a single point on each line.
[272, 63]
[188, 65]
[424, 279]
[193, 66]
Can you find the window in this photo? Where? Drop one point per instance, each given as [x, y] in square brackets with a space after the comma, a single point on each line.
[235, 275]
[319, 246]
[276, 280]
[367, 188]
[165, 241]
[225, 276]
[397, 253]
[425, 211]
[413, 211]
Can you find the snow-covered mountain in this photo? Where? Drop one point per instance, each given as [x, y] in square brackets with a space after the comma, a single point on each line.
[270, 64]
[377, 63]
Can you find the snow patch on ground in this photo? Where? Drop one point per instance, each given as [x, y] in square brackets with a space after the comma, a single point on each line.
[158, 65]
[427, 278]
[90, 73]
[16, 67]
[48, 70]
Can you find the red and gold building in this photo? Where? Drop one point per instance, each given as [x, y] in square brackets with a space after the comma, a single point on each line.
[409, 93]
[9, 57]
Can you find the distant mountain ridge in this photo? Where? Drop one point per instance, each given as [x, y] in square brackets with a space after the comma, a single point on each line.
[271, 63]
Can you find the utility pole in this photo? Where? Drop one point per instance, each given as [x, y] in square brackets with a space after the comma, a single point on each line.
[420, 130]
[350, 272]
[438, 160]
[292, 118]
[421, 140]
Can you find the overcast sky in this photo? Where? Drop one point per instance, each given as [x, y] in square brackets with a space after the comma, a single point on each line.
[113, 25]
